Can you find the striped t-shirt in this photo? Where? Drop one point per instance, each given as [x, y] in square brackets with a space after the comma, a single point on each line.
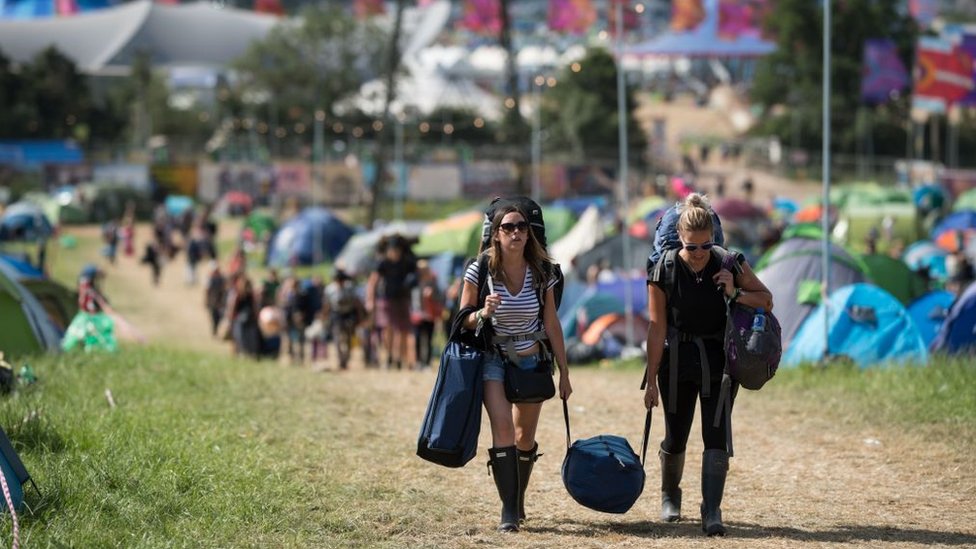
[518, 314]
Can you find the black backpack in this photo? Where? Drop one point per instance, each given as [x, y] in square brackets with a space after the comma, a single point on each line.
[533, 214]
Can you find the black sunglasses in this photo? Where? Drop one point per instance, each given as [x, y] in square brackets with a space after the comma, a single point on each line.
[510, 228]
[692, 247]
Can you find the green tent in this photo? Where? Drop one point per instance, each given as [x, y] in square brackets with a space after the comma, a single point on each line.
[262, 223]
[895, 277]
[24, 324]
[459, 234]
[965, 201]
[559, 221]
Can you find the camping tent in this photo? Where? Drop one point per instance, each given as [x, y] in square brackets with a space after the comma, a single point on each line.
[895, 277]
[611, 251]
[929, 312]
[312, 236]
[587, 308]
[925, 254]
[358, 256]
[59, 302]
[24, 221]
[582, 237]
[958, 333]
[793, 274]
[24, 324]
[460, 234]
[867, 325]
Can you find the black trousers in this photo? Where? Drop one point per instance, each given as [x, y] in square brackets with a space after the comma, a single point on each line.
[424, 341]
[678, 425]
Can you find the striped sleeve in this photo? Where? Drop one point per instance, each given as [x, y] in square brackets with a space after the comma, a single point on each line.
[471, 274]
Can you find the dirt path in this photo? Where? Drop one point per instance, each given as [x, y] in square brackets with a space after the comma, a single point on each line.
[802, 476]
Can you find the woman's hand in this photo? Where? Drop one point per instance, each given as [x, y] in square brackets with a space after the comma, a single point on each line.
[565, 387]
[651, 397]
[726, 280]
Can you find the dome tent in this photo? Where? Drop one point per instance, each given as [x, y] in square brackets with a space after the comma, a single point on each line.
[312, 236]
[958, 333]
[866, 324]
[24, 324]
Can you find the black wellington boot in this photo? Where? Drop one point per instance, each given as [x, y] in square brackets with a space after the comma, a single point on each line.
[715, 467]
[672, 466]
[504, 468]
[525, 462]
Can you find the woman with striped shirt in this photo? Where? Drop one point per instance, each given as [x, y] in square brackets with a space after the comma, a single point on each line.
[516, 268]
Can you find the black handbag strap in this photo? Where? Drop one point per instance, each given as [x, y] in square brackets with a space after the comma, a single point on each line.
[644, 441]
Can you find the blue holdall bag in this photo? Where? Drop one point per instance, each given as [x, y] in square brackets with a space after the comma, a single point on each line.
[449, 434]
[604, 473]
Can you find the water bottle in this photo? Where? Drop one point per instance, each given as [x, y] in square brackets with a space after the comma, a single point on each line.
[758, 326]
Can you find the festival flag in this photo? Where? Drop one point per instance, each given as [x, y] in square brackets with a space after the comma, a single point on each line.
[631, 21]
[943, 74]
[482, 16]
[923, 11]
[741, 18]
[572, 16]
[66, 7]
[686, 15]
[368, 8]
[882, 72]
[272, 7]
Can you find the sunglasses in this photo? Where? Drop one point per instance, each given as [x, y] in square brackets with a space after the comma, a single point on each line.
[692, 247]
[509, 228]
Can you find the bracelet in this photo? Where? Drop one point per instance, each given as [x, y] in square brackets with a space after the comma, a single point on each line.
[736, 294]
[478, 317]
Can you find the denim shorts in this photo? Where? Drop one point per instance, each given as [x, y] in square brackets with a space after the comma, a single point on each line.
[494, 368]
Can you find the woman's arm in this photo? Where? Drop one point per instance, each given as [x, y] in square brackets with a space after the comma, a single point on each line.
[469, 298]
[554, 331]
[656, 331]
[752, 291]
[371, 282]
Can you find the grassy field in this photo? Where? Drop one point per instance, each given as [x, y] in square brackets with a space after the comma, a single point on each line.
[205, 451]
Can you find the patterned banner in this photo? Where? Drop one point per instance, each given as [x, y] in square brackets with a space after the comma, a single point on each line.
[686, 15]
[924, 11]
[741, 18]
[943, 74]
[482, 16]
[882, 72]
[368, 8]
[572, 16]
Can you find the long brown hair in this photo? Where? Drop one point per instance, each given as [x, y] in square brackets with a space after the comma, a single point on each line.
[535, 255]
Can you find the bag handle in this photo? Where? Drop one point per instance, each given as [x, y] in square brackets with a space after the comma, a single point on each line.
[644, 441]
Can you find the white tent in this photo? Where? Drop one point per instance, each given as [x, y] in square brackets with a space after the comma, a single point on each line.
[584, 235]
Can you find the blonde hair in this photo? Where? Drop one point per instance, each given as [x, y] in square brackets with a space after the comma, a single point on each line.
[535, 254]
[696, 214]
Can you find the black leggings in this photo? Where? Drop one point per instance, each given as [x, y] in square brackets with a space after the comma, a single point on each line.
[678, 425]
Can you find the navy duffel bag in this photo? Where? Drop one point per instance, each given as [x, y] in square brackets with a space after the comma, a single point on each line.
[603, 473]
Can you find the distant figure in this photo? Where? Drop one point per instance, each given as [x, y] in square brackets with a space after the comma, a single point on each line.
[430, 310]
[151, 257]
[345, 312]
[110, 235]
[720, 187]
[388, 298]
[215, 296]
[748, 188]
[243, 316]
[90, 298]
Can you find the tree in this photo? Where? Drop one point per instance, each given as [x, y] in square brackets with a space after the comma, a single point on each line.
[788, 82]
[580, 113]
[309, 66]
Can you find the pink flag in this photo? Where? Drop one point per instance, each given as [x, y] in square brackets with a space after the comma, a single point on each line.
[482, 16]
[741, 18]
[572, 16]
[66, 7]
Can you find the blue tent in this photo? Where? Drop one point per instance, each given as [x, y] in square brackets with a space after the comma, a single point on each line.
[592, 305]
[867, 324]
[929, 312]
[958, 221]
[313, 236]
[925, 253]
[958, 333]
[24, 221]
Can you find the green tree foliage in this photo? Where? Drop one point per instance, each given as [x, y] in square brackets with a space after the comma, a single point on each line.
[580, 113]
[304, 67]
[788, 82]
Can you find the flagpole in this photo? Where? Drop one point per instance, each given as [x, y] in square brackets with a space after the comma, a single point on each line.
[622, 172]
[825, 209]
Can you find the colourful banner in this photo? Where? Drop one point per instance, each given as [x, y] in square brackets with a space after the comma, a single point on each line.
[882, 72]
[968, 45]
[741, 18]
[368, 8]
[943, 74]
[686, 15]
[572, 16]
[482, 16]
[272, 7]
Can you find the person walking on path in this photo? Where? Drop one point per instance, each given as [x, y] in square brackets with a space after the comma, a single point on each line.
[696, 312]
[388, 298]
[518, 267]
